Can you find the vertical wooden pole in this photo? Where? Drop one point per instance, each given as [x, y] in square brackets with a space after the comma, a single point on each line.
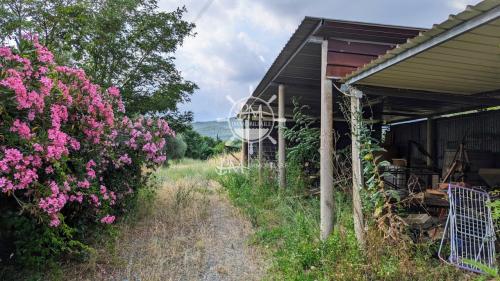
[326, 148]
[250, 144]
[357, 174]
[430, 140]
[281, 137]
[261, 149]
[244, 145]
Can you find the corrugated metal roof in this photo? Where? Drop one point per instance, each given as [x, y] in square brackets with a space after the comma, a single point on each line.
[460, 56]
[298, 65]
[306, 28]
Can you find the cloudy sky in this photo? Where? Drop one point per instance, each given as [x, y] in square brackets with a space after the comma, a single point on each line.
[237, 40]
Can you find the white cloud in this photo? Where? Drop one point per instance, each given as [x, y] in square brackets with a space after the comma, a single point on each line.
[458, 4]
[237, 41]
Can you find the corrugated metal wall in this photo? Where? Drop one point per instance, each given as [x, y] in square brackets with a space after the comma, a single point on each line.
[269, 148]
[480, 130]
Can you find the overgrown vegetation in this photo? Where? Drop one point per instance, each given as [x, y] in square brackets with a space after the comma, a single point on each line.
[303, 140]
[176, 147]
[495, 211]
[287, 224]
[99, 245]
[378, 201]
[287, 221]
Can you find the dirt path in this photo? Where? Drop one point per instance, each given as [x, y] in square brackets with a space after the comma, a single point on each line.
[228, 256]
[191, 232]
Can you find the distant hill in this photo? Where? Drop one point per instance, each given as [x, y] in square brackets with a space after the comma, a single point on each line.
[213, 129]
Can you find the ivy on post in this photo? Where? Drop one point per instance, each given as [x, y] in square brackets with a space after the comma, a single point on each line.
[357, 175]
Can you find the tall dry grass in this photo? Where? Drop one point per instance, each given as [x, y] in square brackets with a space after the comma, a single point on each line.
[188, 231]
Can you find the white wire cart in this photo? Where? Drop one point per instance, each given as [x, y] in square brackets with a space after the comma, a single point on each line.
[469, 230]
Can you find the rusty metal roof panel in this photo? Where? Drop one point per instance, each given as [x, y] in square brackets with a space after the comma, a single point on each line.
[378, 35]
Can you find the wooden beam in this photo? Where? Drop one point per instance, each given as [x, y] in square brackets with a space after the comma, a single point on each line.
[430, 141]
[281, 137]
[244, 146]
[260, 156]
[326, 148]
[429, 96]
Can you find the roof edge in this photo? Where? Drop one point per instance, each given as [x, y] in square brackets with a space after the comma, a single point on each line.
[429, 39]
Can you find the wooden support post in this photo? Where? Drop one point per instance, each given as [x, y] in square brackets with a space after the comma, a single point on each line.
[357, 174]
[281, 137]
[326, 148]
[260, 155]
[250, 148]
[430, 141]
[244, 145]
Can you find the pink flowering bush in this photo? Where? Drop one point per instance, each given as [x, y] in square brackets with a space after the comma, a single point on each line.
[68, 154]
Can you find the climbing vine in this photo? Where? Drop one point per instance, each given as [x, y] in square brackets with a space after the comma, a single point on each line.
[376, 198]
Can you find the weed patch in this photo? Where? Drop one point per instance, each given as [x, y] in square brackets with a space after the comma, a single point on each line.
[287, 225]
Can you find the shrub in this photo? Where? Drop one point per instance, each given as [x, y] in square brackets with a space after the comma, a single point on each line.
[176, 147]
[69, 158]
[303, 141]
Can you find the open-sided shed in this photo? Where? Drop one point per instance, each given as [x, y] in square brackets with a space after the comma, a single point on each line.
[450, 69]
[413, 79]
[320, 52]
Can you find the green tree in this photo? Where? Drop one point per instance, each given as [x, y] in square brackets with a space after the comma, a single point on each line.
[129, 43]
[201, 147]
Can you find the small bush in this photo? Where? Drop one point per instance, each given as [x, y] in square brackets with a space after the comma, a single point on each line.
[176, 147]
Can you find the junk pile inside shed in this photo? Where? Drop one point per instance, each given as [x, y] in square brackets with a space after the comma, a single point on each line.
[465, 152]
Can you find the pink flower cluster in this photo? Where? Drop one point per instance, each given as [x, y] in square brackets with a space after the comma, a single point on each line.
[66, 136]
[54, 203]
[108, 219]
[22, 170]
[148, 136]
[22, 129]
